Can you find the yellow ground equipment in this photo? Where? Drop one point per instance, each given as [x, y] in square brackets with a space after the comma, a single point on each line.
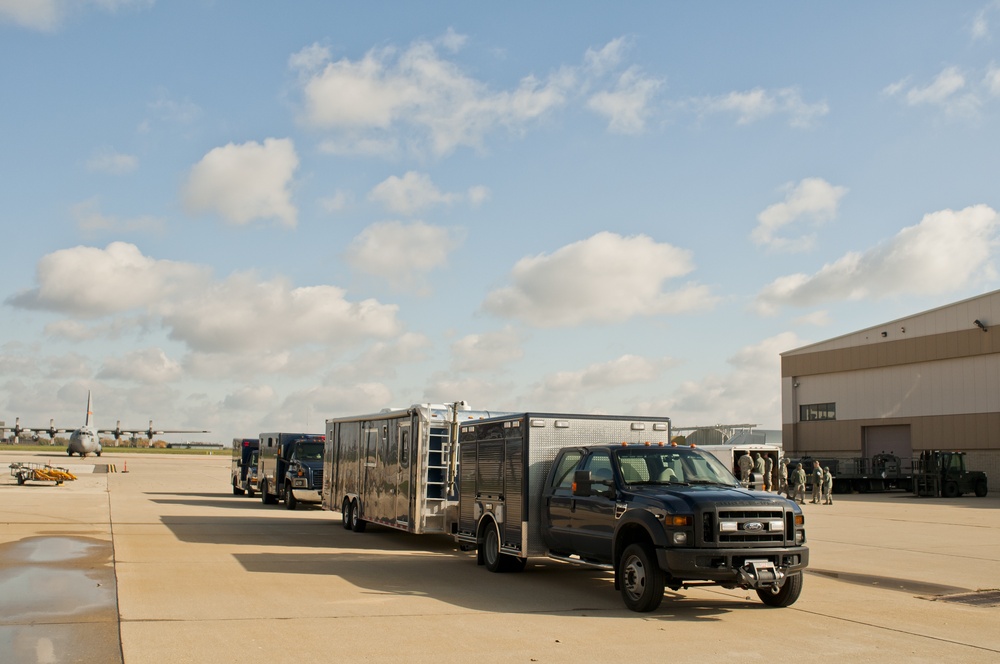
[39, 472]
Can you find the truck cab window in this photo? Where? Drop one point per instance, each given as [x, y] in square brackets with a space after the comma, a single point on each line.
[599, 465]
[563, 476]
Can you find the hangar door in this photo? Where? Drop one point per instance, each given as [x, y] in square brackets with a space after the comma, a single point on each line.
[893, 439]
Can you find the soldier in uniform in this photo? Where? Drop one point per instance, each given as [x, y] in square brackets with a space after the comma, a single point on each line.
[827, 486]
[758, 468]
[817, 483]
[769, 473]
[799, 484]
[746, 465]
[783, 478]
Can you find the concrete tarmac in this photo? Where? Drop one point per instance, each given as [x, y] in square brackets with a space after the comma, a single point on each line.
[164, 564]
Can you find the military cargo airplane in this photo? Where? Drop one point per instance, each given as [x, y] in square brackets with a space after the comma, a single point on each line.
[87, 439]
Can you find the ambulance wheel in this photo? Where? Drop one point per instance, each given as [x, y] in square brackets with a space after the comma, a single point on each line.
[785, 595]
[492, 558]
[640, 578]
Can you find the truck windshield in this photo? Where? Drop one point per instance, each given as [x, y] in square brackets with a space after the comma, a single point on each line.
[308, 451]
[671, 465]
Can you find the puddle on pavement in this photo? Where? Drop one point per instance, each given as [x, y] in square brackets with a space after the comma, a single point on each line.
[889, 583]
[58, 601]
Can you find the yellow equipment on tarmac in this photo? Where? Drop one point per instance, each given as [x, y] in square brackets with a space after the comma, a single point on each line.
[39, 472]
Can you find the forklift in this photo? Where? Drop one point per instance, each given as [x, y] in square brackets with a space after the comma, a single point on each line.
[943, 474]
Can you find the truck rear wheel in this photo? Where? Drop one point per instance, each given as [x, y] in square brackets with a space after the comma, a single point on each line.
[784, 596]
[290, 502]
[981, 488]
[950, 489]
[237, 491]
[640, 578]
[493, 559]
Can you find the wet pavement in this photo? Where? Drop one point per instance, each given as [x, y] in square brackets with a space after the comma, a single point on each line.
[58, 601]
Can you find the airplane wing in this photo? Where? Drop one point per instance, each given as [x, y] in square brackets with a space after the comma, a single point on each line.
[148, 432]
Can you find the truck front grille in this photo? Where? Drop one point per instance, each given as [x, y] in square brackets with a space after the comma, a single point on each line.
[750, 526]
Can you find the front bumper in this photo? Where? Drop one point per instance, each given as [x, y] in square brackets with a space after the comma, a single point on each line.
[307, 495]
[723, 565]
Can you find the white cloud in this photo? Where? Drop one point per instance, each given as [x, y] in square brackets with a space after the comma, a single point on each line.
[624, 370]
[112, 162]
[245, 182]
[605, 278]
[607, 58]
[338, 400]
[244, 314]
[991, 80]
[383, 358]
[89, 282]
[812, 200]
[403, 253]
[148, 365]
[757, 104]
[949, 91]
[488, 351]
[240, 314]
[415, 89]
[945, 251]
[478, 195]
[626, 106]
[337, 202]
[409, 194]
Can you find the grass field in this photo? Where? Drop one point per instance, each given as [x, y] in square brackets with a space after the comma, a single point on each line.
[7, 447]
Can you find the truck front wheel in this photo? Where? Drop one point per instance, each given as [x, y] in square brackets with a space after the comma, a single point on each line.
[950, 489]
[981, 488]
[641, 580]
[290, 502]
[785, 595]
[237, 491]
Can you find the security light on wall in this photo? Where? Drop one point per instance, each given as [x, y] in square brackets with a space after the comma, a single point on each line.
[978, 323]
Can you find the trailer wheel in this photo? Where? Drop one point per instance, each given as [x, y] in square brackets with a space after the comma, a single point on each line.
[641, 580]
[785, 595]
[950, 490]
[981, 488]
[290, 502]
[357, 523]
[345, 514]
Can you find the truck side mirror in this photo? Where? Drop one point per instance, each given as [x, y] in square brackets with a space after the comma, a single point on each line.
[582, 483]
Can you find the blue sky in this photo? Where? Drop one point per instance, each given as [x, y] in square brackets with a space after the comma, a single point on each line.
[255, 216]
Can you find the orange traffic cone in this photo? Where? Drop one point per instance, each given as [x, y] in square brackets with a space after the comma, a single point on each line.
[126, 467]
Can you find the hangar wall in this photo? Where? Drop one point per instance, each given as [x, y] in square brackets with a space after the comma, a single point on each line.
[934, 376]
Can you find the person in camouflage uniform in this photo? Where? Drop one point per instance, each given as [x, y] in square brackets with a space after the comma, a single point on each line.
[799, 484]
[827, 486]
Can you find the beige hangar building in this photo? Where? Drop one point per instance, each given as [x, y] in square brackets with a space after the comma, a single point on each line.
[930, 381]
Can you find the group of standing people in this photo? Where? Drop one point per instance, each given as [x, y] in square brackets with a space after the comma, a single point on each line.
[791, 484]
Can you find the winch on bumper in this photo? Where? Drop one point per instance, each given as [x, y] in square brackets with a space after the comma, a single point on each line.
[744, 568]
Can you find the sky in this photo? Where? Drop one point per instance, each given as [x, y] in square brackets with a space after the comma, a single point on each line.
[251, 217]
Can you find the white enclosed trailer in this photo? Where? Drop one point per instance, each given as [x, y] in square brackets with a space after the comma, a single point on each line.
[396, 468]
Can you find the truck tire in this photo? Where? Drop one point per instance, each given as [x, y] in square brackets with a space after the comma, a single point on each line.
[237, 491]
[784, 596]
[640, 578]
[265, 496]
[981, 488]
[345, 514]
[357, 524]
[290, 502]
[950, 490]
[250, 491]
[492, 558]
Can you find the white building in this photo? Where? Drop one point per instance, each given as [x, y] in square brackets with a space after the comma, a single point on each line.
[926, 382]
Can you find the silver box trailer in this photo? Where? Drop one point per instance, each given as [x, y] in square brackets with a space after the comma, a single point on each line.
[504, 462]
[395, 468]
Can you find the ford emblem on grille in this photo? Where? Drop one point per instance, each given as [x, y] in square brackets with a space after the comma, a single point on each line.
[753, 526]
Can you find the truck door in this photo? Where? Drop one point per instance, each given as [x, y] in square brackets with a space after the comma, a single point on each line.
[561, 503]
[592, 522]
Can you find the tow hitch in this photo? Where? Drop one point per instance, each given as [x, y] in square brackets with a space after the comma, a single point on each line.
[760, 574]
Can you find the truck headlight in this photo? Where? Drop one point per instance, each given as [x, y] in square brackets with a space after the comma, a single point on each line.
[300, 482]
[680, 537]
[800, 537]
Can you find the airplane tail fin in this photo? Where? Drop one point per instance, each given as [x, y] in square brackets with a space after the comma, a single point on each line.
[89, 410]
